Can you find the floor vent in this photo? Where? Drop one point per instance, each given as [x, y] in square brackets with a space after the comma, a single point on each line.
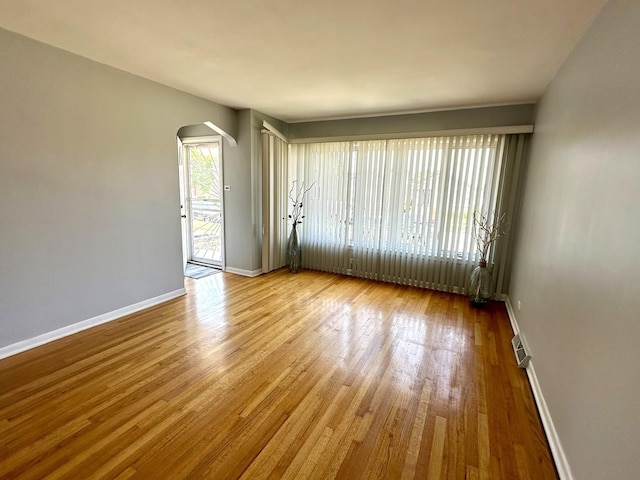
[522, 358]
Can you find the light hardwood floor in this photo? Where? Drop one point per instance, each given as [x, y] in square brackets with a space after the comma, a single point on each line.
[286, 376]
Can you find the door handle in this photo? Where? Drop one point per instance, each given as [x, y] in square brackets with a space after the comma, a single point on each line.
[183, 216]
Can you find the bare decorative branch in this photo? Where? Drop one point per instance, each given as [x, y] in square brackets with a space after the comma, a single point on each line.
[296, 195]
[485, 232]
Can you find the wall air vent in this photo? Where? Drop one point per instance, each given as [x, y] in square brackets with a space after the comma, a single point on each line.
[522, 357]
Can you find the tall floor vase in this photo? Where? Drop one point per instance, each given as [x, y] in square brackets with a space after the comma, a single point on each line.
[294, 252]
[480, 287]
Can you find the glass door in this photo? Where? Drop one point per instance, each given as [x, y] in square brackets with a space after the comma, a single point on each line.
[204, 203]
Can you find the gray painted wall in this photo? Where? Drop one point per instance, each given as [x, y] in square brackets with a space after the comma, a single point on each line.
[577, 266]
[89, 202]
[237, 201]
[197, 130]
[417, 122]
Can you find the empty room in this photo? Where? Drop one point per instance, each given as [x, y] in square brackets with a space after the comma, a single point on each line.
[319, 240]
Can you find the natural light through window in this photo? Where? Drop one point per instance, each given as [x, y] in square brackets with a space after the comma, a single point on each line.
[413, 196]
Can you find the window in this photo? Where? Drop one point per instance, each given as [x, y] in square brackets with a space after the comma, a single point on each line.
[401, 210]
[415, 196]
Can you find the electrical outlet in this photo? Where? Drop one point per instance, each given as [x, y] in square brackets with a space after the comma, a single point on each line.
[519, 305]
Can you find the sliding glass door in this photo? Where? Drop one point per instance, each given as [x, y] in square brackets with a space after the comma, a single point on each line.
[204, 208]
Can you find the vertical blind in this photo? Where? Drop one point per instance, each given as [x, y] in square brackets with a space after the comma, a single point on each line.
[275, 180]
[402, 210]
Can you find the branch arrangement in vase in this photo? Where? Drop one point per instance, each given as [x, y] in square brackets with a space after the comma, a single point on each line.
[296, 195]
[294, 252]
[486, 232]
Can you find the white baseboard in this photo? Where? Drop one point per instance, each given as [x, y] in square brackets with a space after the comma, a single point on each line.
[245, 273]
[512, 319]
[564, 470]
[24, 345]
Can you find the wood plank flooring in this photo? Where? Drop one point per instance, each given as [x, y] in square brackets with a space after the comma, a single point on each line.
[306, 376]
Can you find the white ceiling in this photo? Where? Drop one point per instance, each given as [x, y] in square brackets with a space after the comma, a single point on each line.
[311, 59]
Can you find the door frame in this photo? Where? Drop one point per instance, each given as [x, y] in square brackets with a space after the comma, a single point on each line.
[185, 197]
